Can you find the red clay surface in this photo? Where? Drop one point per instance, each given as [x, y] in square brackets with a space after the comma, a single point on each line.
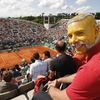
[9, 59]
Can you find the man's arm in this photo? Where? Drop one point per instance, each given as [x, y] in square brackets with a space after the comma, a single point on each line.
[57, 94]
[66, 79]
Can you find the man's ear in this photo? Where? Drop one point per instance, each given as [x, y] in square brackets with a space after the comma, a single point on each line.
[97, 30]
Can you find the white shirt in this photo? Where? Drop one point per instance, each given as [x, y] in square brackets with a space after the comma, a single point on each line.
[38, 68]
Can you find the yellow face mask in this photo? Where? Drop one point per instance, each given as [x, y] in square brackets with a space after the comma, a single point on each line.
[81, 35]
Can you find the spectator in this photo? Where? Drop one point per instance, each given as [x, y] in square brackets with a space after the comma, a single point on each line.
[63, 64]
[47, 58]
[24, 67]
[16, 71]
[84, 34]
[6, 84]
[0, 75]
[38, 67]
[2, 71]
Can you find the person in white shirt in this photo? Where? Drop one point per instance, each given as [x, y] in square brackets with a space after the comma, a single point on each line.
[38, 67]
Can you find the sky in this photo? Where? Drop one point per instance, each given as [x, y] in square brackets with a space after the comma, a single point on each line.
[17, 8]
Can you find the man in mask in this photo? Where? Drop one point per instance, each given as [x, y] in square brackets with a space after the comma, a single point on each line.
[84, 36]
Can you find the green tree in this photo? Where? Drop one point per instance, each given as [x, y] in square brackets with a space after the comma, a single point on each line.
[97, 16]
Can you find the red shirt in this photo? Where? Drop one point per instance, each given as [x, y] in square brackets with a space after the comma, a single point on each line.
[80, 60]
[86, 85]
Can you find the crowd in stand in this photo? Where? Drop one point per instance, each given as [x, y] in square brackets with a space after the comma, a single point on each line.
[38, 68]
[27, 71]
[58, 31]
[84, 35]
[16, 33]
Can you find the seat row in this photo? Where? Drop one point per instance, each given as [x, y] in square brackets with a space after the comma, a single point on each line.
[23, 91]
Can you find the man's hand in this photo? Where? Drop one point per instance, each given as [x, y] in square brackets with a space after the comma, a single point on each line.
[57, 94]
[52, 83]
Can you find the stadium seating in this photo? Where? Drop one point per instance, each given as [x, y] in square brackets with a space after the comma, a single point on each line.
[25, 87]
[30, 94]
[8, 95]
[20, 97]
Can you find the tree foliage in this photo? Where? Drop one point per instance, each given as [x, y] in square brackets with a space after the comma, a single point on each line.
[54, 18]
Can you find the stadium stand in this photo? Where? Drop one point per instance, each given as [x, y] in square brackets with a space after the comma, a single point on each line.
[25, 87]
[16, 33]
[30, 94]
[8, 95]
[20, 97]
[15, 36]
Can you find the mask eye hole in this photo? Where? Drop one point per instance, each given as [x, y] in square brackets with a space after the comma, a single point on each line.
[79, 33]
[69, 36]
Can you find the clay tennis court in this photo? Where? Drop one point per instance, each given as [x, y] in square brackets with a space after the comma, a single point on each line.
[9, 59]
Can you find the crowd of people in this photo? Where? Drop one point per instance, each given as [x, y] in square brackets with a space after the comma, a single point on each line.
[56, 32]
[16, 33]
[84, 35]
[68, 76]
[45, 66]
[25, 70]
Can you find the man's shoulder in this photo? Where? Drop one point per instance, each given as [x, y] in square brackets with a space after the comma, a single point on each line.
[94, 61]
[43, 63]
[92, 64]
[64, 56]
[34, 64]
[48, 60]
